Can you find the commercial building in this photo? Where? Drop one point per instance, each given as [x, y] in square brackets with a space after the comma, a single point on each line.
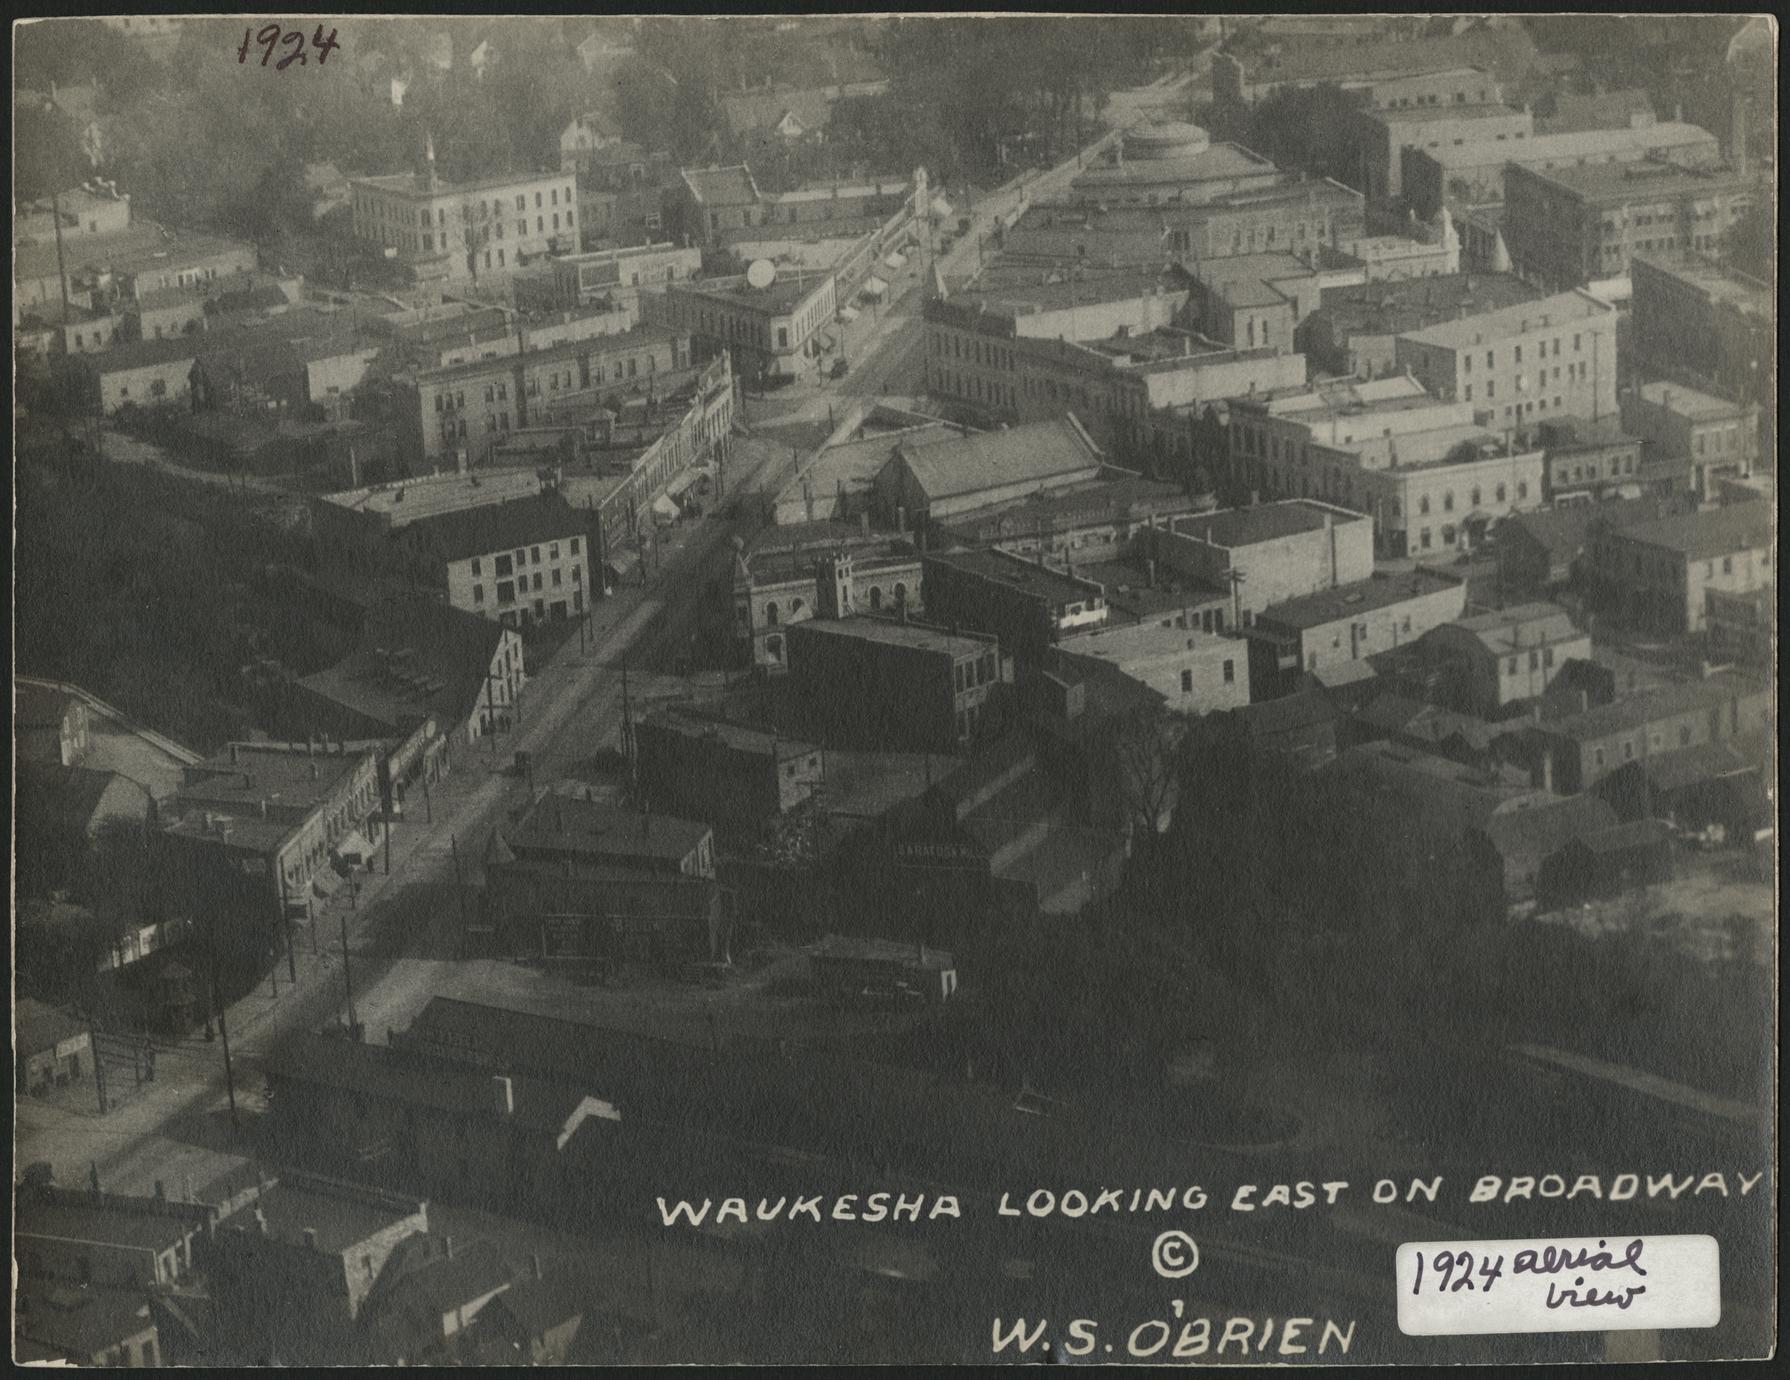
[424, 675]
[1114, 384]
[522, 561]
[706, 768]
[934, 478]
[450, 232]
[460, 412]
[1025, 606]
[1744, 626]
[1382, 136]
[621, 191]
[818, 572]
[1693, 431]
[892, 686]
[1470, 171]
[1574, 753]
[1549, 358]
[771, 332]
[1268, 554]
[1098, 521]
[556, 828]
[106, 1240]
[1492, 660]
[837, 483]
[1571, 226]
[852, 967]
[606, 275]
[1318, 632]
[1710, 324]
[51, 1048]
[1655, 576]
[1354, 329]
[1194, 672]
[1432, 478]
[1250, 300]
[1598, 463]
[274, 819]
[63, 725]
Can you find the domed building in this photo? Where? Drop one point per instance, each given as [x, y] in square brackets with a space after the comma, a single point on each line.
[1165, 139]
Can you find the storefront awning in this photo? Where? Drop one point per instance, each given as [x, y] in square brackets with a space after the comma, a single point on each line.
[896, 260]
[874, 287]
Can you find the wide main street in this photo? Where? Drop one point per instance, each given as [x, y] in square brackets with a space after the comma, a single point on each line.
[570, 711]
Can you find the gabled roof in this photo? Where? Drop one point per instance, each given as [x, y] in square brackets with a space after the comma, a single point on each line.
[956, 465]
[42, 1027]
[1522, 626]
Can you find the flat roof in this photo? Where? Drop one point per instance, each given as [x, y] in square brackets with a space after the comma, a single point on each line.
[1561, 309]
[1016, 288]
[1431, 114]
[1037, 581]
[563, 823]
[915, 636]
[1583, 143]
[98, 1222]
[342, 1217]
[1351, 600]
[1709, 531]
[547, 354]
[1400, 306]
[691, 723]
[1237, 527]
[437, 493]
[412, 184]
[1645, 180]
[781, 296]
[245, 774]
[1689, 402]
[1723, 284]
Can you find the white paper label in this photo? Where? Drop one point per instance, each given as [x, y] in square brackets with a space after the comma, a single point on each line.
[1577, 1284]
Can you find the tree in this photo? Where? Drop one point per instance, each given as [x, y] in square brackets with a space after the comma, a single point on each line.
[49, 157]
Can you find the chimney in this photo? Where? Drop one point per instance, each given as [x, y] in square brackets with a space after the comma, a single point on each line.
[864, 522]
[313, 771]
[1330, 539]
[233, 758]
[161, 1191]
[447, 1246]
[503, 1093]
[310, 1238]
[1547, 768]
[535, 1262]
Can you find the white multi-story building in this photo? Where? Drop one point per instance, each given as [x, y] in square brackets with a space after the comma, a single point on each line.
[455, 231]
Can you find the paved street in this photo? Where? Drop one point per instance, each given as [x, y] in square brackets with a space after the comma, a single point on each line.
[403, 927]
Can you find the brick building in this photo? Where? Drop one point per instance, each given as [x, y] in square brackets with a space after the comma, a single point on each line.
[1655, 576]
[1544, 359]
[1572, 226]
[1492, 660]
[1025, 606]
[1317, 632]
[1698, 434]
[892, 686]
[706, 768]
[1268, 554]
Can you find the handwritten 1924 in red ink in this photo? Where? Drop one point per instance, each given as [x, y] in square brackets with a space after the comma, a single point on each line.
[272, 36]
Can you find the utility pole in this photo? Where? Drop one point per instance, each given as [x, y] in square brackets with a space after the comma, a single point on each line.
[459, 881]
[388, 843]
[99, 1068]
[490, 719]
[286, 928]
[224, 1034]
[627, 724]
[347, 984]
[428, 805]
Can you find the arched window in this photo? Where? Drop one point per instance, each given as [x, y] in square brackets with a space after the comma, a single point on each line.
[1475, 497]
[900, 593]
[770, 614]
[1448, 501]
[795, 606]
[876, 597]
[773, 648]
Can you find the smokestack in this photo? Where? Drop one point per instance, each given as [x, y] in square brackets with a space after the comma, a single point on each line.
[503, 1095]
[1330, 538]
[1547, 770]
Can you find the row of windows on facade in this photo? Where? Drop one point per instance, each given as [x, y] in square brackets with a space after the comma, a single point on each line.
[1664, 215]
[1437, 143]
[506, 589]
[1576, 372]
[590, 376]
[772, 611]
[333, 830]
[1406, 102]
[427, 241]
[968, 675]
[1655, 741]
[530, 555]
[378, 208]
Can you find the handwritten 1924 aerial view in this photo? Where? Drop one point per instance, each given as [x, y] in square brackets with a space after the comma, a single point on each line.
[907, 689]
